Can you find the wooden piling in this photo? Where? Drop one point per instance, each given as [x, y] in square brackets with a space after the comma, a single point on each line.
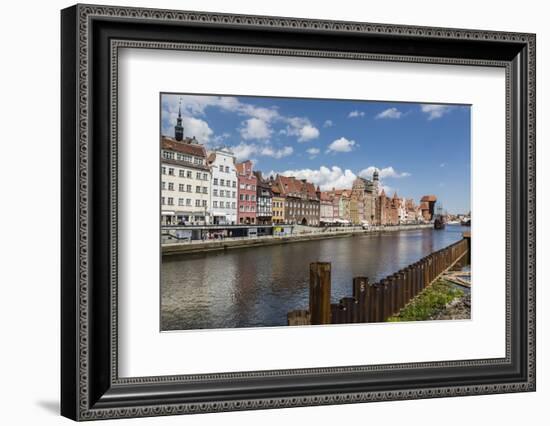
[319, 293]
[360, 293]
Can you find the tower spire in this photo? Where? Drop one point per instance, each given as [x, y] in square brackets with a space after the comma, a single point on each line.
[179, 126]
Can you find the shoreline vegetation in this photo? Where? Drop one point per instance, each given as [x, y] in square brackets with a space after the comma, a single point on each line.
[442, 300]
[245, 242]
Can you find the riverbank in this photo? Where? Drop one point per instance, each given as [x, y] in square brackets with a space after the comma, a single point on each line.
[234, 243]
[440, 301]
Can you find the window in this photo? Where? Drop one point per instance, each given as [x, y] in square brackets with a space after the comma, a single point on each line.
[170, 186]
[170, 201]
[189, 174]
[234, 183]
[180, 201]
[168, 155]
[221, 169]
[215, 204]
[241, 208]
[204, 176]
[242, 186]
[188, 187]
[233, 194]
[198, 175]
[162, 200]
[197, 203]
[188, 202]
[171, 171]
[233, 205]
[204, 203]
[181, 187]
[163, 185]
[247, 197]
[252, 198]
[198, 189]
[215, 181]
[222, 182]
[163, 170]
[204, 190]
[226, 169]
[241, 197]
[215, 192]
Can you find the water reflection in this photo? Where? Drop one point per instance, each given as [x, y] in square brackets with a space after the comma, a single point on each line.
[258, 286]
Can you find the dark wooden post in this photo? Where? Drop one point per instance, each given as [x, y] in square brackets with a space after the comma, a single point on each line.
[352, 310]
[319, 292]
[372, 302]
[360, 291]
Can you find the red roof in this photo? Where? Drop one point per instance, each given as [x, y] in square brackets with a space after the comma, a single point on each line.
[429, 198]
[183, 147]
[290, 185]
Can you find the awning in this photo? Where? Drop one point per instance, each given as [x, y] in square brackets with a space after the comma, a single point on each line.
[168, 213]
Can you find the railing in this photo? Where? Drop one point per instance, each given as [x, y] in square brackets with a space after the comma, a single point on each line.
[375, 302]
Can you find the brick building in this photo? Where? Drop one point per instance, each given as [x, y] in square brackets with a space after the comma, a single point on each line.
[302, 200]
[246, 190]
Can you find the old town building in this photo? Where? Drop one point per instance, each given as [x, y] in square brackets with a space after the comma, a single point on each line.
[264, 198]
[278, 204]
[247, 181]
[327, 209]
[185, 180]
[302, 204]
[427, 206]
[224, 187]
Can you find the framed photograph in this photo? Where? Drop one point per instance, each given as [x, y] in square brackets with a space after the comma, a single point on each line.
[264, 212]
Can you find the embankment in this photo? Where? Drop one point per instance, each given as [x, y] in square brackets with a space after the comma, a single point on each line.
[228, 244]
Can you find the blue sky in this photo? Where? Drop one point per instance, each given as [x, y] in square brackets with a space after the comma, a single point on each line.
[418, 148]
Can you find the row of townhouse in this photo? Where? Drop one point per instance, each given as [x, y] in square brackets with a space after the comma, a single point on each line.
[210, 188]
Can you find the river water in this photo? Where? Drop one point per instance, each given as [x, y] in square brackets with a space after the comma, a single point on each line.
[255, 287]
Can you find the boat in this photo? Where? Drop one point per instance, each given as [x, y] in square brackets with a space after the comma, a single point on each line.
[466, 222]
[439, 218]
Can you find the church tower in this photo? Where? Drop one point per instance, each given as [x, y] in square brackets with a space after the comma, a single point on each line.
[375, 182]
[179, 126]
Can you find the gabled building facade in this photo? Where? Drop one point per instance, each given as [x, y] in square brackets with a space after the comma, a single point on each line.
[185, 180]
[223, 207]
[247, 187]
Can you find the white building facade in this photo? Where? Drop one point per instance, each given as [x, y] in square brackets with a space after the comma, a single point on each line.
[223, 187]
[185, 183]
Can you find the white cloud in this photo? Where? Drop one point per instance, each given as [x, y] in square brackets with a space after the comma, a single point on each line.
[435, 111]
[390, 113]
[313, 152]
[245, 151]
[326, 178]
[341, 145]
[276, 153]
[258, 123]
[356, 113]
[197, 128]
[302, 128]
[255, 128]
[328, 123]
[442, 164]
[386, 172]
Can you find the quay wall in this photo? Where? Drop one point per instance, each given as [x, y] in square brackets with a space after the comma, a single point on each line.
[227, 244]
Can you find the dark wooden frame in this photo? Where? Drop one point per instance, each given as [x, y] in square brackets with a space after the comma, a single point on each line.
[90, 386]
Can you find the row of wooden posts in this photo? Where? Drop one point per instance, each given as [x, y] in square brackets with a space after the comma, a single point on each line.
[375, 302]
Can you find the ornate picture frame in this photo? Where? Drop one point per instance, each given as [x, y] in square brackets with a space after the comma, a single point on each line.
[91, 386]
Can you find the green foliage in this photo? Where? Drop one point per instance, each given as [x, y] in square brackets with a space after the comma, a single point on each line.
[429, 302]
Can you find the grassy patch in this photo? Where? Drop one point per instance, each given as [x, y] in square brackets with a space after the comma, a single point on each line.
[430, 301]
